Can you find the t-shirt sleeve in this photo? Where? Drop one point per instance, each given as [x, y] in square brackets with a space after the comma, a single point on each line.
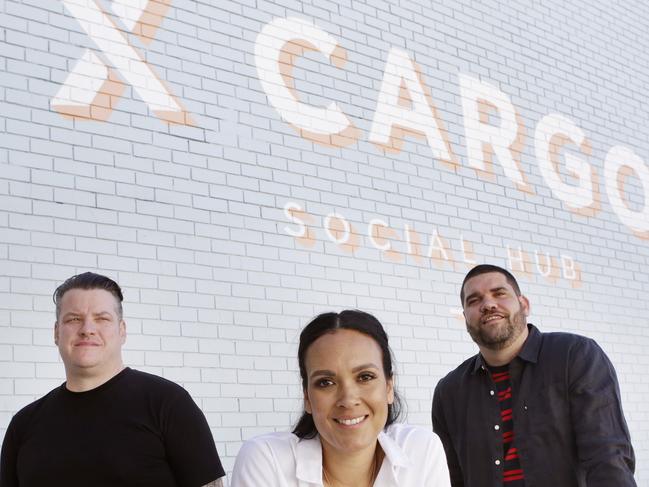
[189, 445]
[254, 466]
[9, 456]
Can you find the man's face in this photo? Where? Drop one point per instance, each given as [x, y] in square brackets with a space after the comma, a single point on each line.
[89, 332]
[495, 316]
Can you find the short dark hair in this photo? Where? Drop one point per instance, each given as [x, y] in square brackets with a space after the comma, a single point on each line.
[347, 320]
[486, 268]
[88, 280]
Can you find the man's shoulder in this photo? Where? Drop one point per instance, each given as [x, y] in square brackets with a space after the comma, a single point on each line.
[564, 337]
[556, 341]
[554, 351]
[146, 378]
[24, 415]
[152, 384]
[458, 374]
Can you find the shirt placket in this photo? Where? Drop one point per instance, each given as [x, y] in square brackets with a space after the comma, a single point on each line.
[521, 385]
[494, 428]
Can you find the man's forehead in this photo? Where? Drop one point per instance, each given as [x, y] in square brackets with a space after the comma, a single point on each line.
[486, 281]
[97, 299]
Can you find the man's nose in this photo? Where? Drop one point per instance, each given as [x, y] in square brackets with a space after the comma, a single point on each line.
[488, 304]
[88, 327]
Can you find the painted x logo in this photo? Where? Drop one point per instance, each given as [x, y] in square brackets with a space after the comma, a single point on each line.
[92, 89]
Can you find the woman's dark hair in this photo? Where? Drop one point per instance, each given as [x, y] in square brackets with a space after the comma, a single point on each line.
[346, 320]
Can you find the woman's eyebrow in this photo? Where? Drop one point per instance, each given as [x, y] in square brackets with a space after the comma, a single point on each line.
[322, 372]
[331, 373]
[365, 366]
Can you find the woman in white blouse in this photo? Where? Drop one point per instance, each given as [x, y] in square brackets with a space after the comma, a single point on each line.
[347, 435]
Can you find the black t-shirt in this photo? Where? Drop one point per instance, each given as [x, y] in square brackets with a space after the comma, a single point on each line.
[137, 429]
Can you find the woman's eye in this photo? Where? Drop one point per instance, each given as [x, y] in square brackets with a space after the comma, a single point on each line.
[366, 377]
[324, 383]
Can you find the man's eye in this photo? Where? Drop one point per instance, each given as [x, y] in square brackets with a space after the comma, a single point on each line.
[324, 383]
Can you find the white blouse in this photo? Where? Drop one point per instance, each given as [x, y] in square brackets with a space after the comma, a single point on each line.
[414, 457]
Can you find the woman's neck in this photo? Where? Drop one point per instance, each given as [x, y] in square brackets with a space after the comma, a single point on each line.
[344, 469]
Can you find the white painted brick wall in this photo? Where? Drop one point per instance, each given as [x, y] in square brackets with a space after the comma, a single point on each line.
[190, 219]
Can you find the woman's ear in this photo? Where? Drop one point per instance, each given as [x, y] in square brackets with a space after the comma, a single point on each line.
[390, 390]
[307, 403]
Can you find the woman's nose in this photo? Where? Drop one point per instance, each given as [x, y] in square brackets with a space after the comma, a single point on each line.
[348, 396]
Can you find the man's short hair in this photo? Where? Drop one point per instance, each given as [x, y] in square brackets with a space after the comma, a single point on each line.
[486, 268]
[89, 280]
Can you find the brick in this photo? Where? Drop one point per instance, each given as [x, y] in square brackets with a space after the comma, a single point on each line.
[115, 203]
[164, 359]
[197, 211]
[73, 167]
[76, 197]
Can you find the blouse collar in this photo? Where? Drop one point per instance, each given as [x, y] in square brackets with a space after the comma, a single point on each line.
[308, 456]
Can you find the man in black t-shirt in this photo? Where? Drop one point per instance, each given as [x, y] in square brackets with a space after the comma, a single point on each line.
[107, 425]
[531, 409]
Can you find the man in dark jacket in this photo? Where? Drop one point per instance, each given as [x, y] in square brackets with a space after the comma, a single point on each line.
[531, 409]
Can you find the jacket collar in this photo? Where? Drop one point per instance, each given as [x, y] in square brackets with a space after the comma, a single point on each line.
[529, 352]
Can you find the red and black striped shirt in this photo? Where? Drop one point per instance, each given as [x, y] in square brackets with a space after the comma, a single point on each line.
[512, 471]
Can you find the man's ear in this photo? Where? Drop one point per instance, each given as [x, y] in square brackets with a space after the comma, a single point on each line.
[122, 331]
[525, 304]
[56, 332]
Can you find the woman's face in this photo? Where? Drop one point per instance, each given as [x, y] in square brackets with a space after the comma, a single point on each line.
[347, 391]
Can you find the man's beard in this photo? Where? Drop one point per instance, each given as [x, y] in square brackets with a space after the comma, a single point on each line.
[503, 336]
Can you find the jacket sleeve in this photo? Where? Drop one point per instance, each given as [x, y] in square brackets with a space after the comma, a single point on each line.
[603, 442]
[440, 427]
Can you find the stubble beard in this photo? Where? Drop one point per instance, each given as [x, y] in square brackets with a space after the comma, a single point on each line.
[501, 338]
